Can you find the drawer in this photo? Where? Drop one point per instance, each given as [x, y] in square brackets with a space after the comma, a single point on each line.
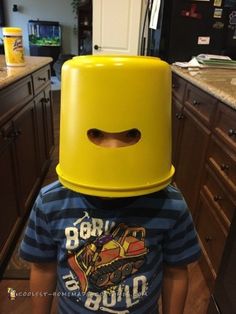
[225, 125]
[211, 232]
[201, 103]
[41, 78]
[13, 97]
[220, 199]
[178, 87]
[224, 164]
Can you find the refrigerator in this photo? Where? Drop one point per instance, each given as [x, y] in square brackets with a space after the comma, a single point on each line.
[183, 29]
[229, 42]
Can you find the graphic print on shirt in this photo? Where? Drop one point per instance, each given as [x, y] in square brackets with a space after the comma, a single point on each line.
[107, 258]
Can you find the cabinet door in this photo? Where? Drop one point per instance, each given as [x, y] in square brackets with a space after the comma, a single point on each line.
[42, 154]
[191, 156]
[41, 79]
[116, 26]
[9, 204]
[177, 117]
[48, 103]
[225, 287]
[178, 87]
[26, 154]
[211, 232]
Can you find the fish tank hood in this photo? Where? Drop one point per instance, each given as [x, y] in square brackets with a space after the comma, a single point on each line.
[44, 33]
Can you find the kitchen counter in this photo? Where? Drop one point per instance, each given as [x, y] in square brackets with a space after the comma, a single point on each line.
[9, 75]
[221, 83]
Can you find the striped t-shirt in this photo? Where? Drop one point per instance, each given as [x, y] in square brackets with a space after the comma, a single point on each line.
[110, 252]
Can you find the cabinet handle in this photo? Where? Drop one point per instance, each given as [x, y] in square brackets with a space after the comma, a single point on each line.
[217, 198]
[46, 100]
[17, 133]
[12, 135]
[179, 116]
[42, 79]
[208, 239]
[232, 132]
[224, 167]
[196, 103]
[9, 137]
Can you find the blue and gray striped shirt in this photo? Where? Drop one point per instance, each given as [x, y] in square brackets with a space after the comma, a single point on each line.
[110, 252]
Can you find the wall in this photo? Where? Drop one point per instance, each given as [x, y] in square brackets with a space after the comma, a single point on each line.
[47, 10]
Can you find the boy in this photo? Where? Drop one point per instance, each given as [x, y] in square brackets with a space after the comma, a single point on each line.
[112, 234]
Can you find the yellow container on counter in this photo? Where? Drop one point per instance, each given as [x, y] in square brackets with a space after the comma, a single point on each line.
[13, 46]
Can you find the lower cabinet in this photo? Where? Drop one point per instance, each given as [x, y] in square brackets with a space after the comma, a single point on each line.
[49, 120]
[204, 155]
[10, 210]
[45, 136]
[42, 154]
[212, 234]
[26, 143]
[191, 156]
[25, 146]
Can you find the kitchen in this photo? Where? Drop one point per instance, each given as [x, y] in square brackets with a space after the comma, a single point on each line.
[192, 89]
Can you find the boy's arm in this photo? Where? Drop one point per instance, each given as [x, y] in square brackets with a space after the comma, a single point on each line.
[175, 288]
[42, 282]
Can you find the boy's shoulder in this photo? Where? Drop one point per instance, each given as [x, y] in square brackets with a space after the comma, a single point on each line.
[56, 191]
[168, 193]
[173, 192]
[168, 201]
[52, 187]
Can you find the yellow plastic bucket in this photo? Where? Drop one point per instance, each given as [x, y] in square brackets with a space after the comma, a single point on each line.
[115, 93]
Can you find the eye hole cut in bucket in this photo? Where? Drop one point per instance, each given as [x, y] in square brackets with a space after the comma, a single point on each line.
[114, 139]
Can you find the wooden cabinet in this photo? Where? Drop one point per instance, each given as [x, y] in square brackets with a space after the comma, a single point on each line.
[40, 79]
[191, 136]
[191, 155]
[24, 130]
[10, 211]
[26, 142]
[42, 153]
[223, 298]
[204, 155]
[219, 182]
[15, 96]
[178, 91]
[44, 119]
[212, 235]
[48, 109]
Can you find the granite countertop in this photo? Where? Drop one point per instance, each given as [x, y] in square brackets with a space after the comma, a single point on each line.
[9, 75]
[221, 83]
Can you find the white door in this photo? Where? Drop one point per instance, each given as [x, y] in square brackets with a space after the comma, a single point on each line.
[116, 26]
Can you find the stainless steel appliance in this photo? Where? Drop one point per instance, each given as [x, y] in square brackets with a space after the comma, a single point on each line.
[187, 28]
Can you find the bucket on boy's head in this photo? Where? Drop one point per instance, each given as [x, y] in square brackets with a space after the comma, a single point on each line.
[13, 46]
[115, 94]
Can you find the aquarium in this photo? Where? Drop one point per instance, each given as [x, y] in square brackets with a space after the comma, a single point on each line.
[44, 33]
